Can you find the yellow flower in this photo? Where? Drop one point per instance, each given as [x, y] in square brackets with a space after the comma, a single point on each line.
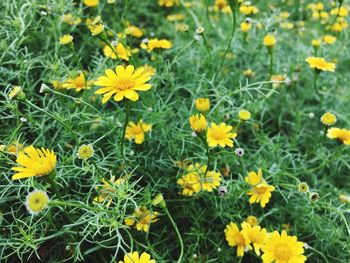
[189, 183]
[342, 135]
[328, 119]
[122, 52]
[141, 219]
[149, 69]
[244, 115]
[303, 187]
[36, 202]
[282, 248]
[96, 29]
[107, 189]
[13, 148]
[235, 239]
[344, 198]
[156, 43]
[211, 181]
[246, 26]
[248, 73]
[198, 123]
[134, 257]
[85, 151]
[254, 235]
[316, 42]
[252, 220]
[220, 135]
[341, 11]
[134, 31]
[124, 82]
[320, 64]
[66, 39]
[91, 3]
[168, 3]
[70, 19]
[56, 84]
[254, 178]
[175, 17]
[260, 193]
[137, 131]
[202, 104]
[34, 162]
[329, 39]
[270, 40]
[77, 83]
[248, 9]
[16, 93]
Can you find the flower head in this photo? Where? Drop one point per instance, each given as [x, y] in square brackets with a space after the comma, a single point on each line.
[270, 40]
[124, 82]
[320, 64]
[91, 3]
[137, 131]
[303, 187]
[134, 31]
[246, 26]
[141, 219]
[343, 198]
[255, 235]
[244, 115]
[122, 52]
[211, 181]
[343, 135]
[66, 39]
[155, 43]
[16, 93]
[329, 39]
[189, 183]
[220, 135]
[34, 162]
[168, 3]
[260, 193]
[316, 42]
[96, 29]
[85, 151]
[198, 123]
[134, 257]
[36, 201]
[202, 104]
[328, 119]
[252, 220]
[236, 239]
[78, 83]
[148, 69]
[254, 178]
[282, 248]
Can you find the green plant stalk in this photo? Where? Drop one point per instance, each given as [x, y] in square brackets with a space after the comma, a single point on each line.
[207, 48]
[77, 60]
[52, 116]
[315, 83]
[202, 137]
[104, 40]
[271, 64]
[127, 117]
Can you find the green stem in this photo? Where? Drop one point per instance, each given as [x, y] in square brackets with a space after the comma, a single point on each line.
[177, 233]
[77, 60]
[127, 116]
[315, 84]
[104, 40]
[271, 64]
[207, 48]
[203, 139]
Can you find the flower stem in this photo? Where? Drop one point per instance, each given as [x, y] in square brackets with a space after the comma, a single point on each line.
[204, 141]
[271, 64]
[315, 84]
[127, 116]
[77, 60]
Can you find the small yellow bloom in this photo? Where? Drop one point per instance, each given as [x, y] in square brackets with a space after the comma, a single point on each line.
[254, 178]
[303, 187]
[137, 131]
[122, 52]
[141, 219]
[236, 239]
[248, 73]
[156, 44]
[244, 115]
[343, 135]
[320, 64]
[189, 183]
[96, 29]
[168, 3]
[34, 162]
[198, 123]
[85, 151]
[329, 39]
[148, 69]
[134, 31]
[66, 39]
[252, 220]
[328, 119]
[91, 3]
[316, 42]
[134, 257]
[16, 93]
[36, 202]
[344, 198]
[220, 135]
[202, 104]
[245, 26]
[270, 40]
[255, 234]
[77, 83]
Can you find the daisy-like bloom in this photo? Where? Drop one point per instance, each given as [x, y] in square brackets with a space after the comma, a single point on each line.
[198, 123]
[141, 219]
[220, 135]
[189, 183]
[122, 52]
[168, 3]
[85, 151]
[56, 84]
[134, 257]
[137, 131]
[134, 31]
[70, 19]
[248, 73]
[248, 9]
[66, 39]
[329, 39]
[16, 93]
[91, 3]
[34, 162]
[252, 220]
[303, 187]
[149, 69]
[211, 181]
[343, 198]
[254, 178]
[244, 115]
[77, 83]
[261, 193]
[246, 26]
[36, 201]
[96, 29]
[255, 235]
[314, 196]
[282, 248]
[124, 82]
[13, 148]
[236, 239]
[343, 135]
[320, 64]
[156, 44]
[270, 40]
[107, 189]
[316, 42]
[328, 119]
[202, 104]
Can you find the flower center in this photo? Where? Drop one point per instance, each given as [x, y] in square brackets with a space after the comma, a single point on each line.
[260, 189]
[124, 84]
[219, 135]
[282, 254]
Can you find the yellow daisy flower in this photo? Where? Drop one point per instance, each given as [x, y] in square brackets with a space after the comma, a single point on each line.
[36, 202]
[122, 52]
[77, 83]
[270, 40]
[91, 3]
[85, 151]
[168, 3]
[124, 82]
[198, 123]
[320, 64]
[211, 181]
[343, 135]
[137, 131]
[282, 248]
[134, 31]
[34, 162]
[244, 115]
[141, 219]
[202, 104]
[156, 44]
[254, 178]
[66, 39]
[149, 69]
[329, 39]
[96, 29]
[236, 239]
[260, 193]
[220, 135]
[189, 183]
[255, 235]
[328, 119]
[252, 220]
[134, 257]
